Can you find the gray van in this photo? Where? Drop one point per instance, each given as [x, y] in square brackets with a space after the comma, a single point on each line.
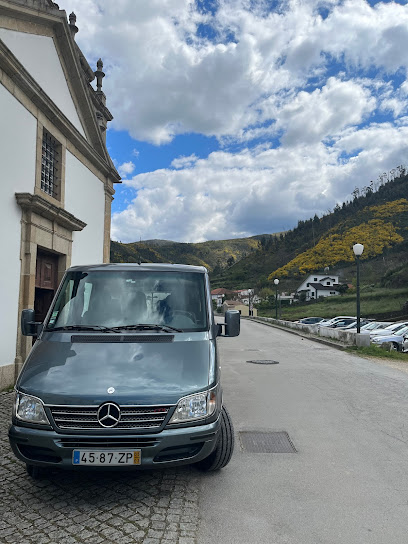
[124, 373]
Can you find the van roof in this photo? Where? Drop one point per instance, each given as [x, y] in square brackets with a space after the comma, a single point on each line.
[145, 267]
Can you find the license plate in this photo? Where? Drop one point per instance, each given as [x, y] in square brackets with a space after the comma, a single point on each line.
[106, 458]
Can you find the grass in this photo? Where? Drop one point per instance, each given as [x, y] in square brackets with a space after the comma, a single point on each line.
[375, 351]
[373, 301]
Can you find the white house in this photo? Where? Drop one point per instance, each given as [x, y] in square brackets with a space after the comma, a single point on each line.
[220, 294]
[56, 174]
[319, 285]
[247, 296]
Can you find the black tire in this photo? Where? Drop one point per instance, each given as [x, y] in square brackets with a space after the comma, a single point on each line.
[35, 472]
[222, 453]
[394, 346]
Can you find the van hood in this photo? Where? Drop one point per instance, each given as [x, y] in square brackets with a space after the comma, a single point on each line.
[59, 371]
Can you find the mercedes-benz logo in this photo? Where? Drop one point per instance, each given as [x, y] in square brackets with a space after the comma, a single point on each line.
[109, 414]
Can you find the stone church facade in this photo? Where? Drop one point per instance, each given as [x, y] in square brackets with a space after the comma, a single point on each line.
[57, 179]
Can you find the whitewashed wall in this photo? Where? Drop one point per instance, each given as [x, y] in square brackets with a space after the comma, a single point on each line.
[31, 50]
[311, 279]
[18, 131]
[85, 198]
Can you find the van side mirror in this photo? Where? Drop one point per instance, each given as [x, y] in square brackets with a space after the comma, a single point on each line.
[232, 323]
[29, 327]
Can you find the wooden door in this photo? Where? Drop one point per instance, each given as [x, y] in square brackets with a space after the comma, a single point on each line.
[46, 283]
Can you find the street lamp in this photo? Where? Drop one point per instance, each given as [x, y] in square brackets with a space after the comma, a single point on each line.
[358, 251]
[276, 282]
[249, 301]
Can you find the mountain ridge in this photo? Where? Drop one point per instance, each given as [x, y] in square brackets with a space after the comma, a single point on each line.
[376, 216]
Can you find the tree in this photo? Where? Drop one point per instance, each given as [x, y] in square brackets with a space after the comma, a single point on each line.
[342, 288]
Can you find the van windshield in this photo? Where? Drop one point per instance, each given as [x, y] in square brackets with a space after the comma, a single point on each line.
[131, 298]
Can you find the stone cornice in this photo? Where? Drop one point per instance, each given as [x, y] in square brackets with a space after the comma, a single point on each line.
[16, 71]
[56, 20]
[40, 206]
[37, 5]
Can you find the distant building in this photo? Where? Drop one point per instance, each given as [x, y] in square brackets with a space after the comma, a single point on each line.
[285, 297]
[238, 305]
[319, 285]
[245, 296]
[57, 176]
[221, 294]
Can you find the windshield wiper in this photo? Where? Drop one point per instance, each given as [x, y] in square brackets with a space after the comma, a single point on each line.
[100, 328]
[147, 327]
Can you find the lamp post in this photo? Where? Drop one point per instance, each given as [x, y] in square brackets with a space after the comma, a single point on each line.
[358, 251]
[249, 301]
[276, 282]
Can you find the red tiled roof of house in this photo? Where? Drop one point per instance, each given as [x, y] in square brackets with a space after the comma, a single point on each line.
[221, 291]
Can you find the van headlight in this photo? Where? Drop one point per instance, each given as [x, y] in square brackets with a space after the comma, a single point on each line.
[195, 407]
[30, 409]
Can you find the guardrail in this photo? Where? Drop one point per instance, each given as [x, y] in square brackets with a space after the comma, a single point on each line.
[345, 337]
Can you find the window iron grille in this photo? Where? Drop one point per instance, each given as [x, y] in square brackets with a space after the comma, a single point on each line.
[49, 165]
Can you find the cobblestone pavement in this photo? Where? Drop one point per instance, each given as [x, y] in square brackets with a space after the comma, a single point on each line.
[149, 507]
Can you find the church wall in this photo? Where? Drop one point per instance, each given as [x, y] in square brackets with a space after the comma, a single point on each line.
[18, 131]
[85, 198]
[31, 50]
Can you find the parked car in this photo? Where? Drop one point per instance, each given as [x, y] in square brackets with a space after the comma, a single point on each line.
[368, 327]
[310, 320]
[390, 329]
[352, 327]
[396, 341]
[344, 323]
[330, 322]
[124, 373]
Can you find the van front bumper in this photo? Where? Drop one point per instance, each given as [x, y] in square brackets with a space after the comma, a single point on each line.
[170, 447]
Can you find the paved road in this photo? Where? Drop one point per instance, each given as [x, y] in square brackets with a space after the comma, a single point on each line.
[347, 418]
[347, 484]
[149, 507]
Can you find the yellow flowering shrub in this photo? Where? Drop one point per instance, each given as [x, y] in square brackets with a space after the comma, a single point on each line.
[390, 208]
[375, 235]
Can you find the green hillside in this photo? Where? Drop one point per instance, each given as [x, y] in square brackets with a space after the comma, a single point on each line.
[376, 216]
[215, 255]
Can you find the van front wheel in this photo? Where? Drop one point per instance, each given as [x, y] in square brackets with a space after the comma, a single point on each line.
[35, 472]
[222, 453]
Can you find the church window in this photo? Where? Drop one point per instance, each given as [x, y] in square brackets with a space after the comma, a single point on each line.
[50, 165]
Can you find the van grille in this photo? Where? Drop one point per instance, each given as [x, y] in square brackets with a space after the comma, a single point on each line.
[86, 417]
[107, 443]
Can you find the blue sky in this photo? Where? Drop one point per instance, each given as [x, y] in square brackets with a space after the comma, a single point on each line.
[240, 117]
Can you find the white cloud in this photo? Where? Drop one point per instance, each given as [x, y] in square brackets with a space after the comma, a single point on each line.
[184, 162]
[126, 168]
[315, 87]
[162, 80]
[256, 191]
[312, 117]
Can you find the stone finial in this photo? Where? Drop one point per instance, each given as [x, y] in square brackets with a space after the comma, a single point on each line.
[99, 75]
[72, 25]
